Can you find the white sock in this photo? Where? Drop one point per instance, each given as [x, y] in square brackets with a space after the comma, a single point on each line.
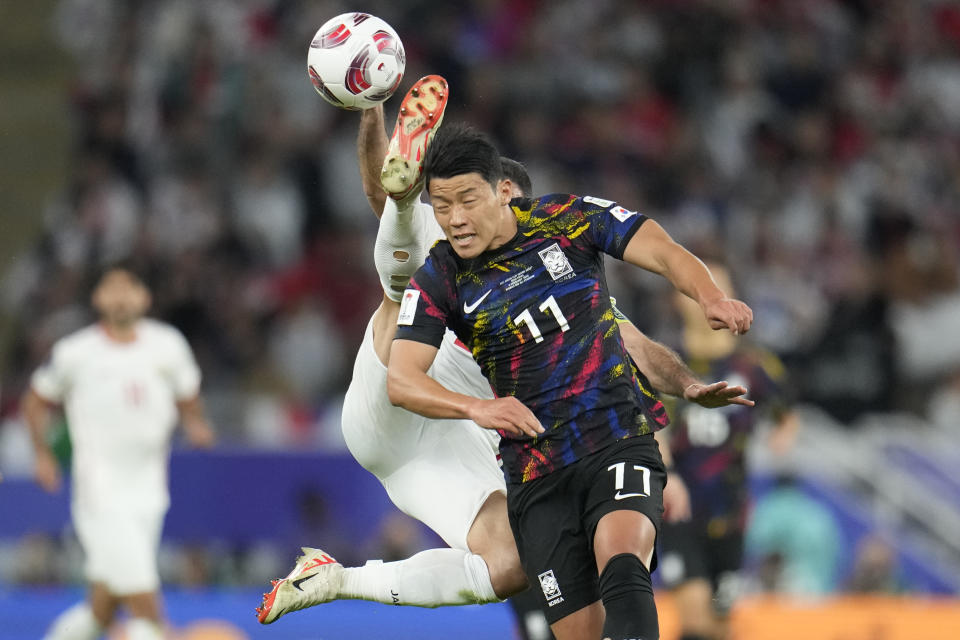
[432, 578]
[143, 629]
[76, 623]
[407, 231]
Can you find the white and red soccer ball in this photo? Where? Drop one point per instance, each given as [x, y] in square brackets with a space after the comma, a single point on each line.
[356, 61]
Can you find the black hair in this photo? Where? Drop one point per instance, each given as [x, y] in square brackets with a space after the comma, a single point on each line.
[457, 150]
[129, 266]
[517, 174]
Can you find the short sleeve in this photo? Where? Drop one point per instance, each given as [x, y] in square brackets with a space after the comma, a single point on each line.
[51, 380]
[184, 372]
[425, 305]
[609, 226]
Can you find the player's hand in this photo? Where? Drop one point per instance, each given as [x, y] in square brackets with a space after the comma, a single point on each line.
[727, 313]
[717, 394]
[47, 472]
[508, 414]
[676, 499]
[200, 435]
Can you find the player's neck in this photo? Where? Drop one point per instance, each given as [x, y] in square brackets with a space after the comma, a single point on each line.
[507, 228]
[120, 332]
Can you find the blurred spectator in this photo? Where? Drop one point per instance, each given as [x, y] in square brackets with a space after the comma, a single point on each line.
[944, 408]
[875, 568]
[794, 542]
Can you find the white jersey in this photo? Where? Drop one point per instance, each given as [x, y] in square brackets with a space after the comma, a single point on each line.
[120, 402]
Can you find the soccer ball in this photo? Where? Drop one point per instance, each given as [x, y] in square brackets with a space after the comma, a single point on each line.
[356, 61]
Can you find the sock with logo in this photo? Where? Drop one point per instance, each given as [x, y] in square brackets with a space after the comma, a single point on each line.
[406, 233]
[627, 595]
[432, 578]
[76, 623]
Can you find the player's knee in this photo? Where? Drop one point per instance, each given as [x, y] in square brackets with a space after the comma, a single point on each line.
[624, 576]
[624, 532]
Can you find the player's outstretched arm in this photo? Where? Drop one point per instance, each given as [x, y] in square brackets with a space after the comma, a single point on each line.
[662, 366]
[371, 148]
[669, 374]
[409, 386]
[652, 248]
[36, 411]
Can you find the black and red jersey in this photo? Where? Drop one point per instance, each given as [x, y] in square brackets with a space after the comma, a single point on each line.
[537, 316]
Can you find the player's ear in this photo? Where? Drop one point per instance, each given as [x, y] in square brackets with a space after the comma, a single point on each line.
[504, 192]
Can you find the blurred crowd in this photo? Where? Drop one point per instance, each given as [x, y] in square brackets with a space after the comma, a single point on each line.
[811, 145]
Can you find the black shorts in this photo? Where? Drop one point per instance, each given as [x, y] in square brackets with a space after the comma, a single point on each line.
[688, 552]
[554, 518]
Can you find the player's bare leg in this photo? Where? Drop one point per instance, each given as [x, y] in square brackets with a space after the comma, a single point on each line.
[490, 537]
[146, 622]
[583, 623]
[103, 603]
[86, 620]
[371, 149]
[623, 547]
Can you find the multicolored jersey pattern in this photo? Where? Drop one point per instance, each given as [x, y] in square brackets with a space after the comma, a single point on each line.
[537, 317]
[709, 445]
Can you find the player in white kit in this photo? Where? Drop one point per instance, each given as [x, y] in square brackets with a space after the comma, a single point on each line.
[122, 383]
[444, 473]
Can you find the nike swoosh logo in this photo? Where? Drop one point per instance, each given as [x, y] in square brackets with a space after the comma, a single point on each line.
[468, 308]
[316, 562]
[296, 583]
[621, 496]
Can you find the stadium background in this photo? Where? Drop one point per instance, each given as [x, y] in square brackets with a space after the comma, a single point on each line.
[812, 144]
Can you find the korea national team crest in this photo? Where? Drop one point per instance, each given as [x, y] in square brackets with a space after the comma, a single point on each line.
[550, 587]
[555, 261]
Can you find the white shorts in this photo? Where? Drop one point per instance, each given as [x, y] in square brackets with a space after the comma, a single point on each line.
[437, 471]
[121, 549]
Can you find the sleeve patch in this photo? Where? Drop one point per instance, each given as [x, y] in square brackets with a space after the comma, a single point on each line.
[600, 202]
[622, 214]
[408, 307]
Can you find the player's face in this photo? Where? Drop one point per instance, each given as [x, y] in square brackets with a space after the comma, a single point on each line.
[473, 215]
[120, 298]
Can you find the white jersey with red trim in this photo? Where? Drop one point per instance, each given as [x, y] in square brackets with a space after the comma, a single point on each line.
[120, 402]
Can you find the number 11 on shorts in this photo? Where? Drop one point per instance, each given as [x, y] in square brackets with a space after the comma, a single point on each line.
[619, 470]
